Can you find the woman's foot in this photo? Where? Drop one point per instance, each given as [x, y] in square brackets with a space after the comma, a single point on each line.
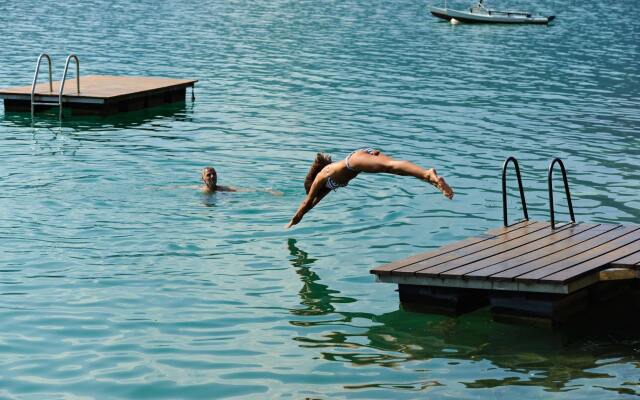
[440, 183]
[444, 188]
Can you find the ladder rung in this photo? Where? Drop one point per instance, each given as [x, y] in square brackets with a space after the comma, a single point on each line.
[46, 103]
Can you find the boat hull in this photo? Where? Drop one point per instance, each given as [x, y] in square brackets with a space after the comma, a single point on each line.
[502, 18]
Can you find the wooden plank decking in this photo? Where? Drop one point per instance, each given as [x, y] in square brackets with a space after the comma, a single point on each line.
[102, 93]
[528, 257]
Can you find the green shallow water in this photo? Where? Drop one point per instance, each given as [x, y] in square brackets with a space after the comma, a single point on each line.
[118, 280]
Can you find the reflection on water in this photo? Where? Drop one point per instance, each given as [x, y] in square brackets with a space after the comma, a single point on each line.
[549, 358]
[49, 120]
[316, 298]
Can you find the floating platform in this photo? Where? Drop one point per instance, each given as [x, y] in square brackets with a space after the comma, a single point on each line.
[528, 269]
[101, 94]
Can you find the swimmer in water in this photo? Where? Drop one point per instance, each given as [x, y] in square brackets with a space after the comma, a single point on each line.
[325, 175]
[210, 179]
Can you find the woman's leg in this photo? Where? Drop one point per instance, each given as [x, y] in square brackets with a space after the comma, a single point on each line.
[381, 163]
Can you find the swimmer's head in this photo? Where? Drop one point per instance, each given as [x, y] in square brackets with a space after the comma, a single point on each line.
[210, 177]
[321, 161]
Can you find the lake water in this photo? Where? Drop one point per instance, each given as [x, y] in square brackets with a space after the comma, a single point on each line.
[119, 280]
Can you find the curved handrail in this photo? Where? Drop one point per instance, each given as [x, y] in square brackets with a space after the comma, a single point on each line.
[566, 189]
[504, 189]
[64, 77]
[35, 78]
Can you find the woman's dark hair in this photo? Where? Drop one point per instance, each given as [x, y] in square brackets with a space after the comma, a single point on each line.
[321, 161]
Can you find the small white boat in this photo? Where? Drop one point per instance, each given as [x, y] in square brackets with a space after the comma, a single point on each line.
[479, 13]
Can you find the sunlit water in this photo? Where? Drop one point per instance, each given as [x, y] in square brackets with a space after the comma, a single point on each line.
[119, 280]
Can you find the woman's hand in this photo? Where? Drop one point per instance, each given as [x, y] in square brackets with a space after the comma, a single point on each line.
[294, 221]
[313, 197]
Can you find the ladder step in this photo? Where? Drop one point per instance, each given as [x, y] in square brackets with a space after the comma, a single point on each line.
[46, 103]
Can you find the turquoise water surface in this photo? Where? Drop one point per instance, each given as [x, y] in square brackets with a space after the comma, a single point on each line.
[119, 280]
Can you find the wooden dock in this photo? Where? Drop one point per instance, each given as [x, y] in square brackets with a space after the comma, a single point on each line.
[532, 270]
[525, 269]
[101, 94]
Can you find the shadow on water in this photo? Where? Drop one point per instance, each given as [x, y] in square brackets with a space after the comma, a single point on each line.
[528, 355]
[180, 111]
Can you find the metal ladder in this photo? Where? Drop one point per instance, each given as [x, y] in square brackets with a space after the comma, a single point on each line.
[62, 82]
[566, 190]
[504, 190]
[550, 188]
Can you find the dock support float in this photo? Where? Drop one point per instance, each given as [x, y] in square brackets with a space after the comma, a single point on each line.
[540, 309]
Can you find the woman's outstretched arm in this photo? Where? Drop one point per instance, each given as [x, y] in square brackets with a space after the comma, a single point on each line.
[313, 197]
